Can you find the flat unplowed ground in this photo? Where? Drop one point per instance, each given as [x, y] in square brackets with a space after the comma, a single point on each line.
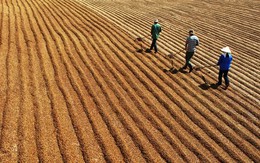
[75, 87]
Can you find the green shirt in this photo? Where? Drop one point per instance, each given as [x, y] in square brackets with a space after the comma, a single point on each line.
[155, 32]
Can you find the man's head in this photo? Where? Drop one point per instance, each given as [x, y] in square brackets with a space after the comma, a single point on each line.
[156, 21]
[191, 32]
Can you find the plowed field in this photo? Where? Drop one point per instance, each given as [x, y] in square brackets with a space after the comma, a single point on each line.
[75, 87]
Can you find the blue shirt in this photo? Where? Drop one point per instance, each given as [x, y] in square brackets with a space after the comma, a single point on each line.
[224, 61]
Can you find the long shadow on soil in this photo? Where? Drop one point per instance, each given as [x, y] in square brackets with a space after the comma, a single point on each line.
[206, 86]
[174, 70]
[147, 50]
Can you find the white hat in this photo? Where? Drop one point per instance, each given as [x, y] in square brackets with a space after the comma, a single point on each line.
[226, 50]
[156, 20]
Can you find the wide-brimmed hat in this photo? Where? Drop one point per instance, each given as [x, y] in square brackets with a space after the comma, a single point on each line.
[226, 50]
[156, 20]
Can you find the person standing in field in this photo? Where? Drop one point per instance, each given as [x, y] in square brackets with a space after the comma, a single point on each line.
[224, 63]
[155, 32]
[190, 46]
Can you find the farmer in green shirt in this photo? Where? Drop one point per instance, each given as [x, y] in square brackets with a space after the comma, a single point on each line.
[155, 32]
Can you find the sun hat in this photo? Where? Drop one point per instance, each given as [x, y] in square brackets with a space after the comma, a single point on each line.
[156, 20]
[226, 50]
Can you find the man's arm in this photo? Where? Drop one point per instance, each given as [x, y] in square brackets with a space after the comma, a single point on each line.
[197, 42]
[220, 60]
[186, 45]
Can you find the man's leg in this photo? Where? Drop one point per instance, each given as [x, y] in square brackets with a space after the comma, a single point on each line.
[226, 78]
[190, 67]
[188, 58]
[155, 46]
[152, 45]
[220, 77]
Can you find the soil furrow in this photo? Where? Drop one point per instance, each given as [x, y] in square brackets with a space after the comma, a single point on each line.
[93, 152]
[137, 136]
[112, 104]
[64, 144]
[70, 54]
[161, 67]
[234, 13]
[252, 130]
[76, 87]
[230, 40]
[211, 20]
[201, 99]
[135, 16]
[43, 49]
[1, 21]
[45, 129]
[199, 81]
[113, 153]
[163, 89]
[27, 150]
[187, 11]
[9, 131]
[131, 25]
[206, 56]
[3, 72]
[209, 75]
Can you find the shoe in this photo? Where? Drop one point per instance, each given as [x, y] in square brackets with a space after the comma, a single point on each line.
[226, 86]
[148, 50]
[218, 83]
[190, 69]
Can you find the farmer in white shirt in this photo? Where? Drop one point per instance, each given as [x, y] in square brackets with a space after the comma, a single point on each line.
[190, 47]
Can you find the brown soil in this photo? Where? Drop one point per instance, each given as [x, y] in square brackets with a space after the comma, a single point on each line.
[75, 86]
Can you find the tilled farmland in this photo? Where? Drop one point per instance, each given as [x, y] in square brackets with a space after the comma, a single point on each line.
[75, 86]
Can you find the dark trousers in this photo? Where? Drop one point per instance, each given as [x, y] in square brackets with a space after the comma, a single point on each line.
[154, 45]
[188, 58]
[220, 74]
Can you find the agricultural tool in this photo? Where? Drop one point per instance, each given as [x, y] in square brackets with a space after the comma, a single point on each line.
[202, 67]
[141, 40]
[171, 56]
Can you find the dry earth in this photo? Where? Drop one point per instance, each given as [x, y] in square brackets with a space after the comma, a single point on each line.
[75, 88]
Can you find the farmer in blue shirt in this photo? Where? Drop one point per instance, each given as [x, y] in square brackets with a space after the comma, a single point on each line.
[190, 46]
[155, 32]
[224, 63]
